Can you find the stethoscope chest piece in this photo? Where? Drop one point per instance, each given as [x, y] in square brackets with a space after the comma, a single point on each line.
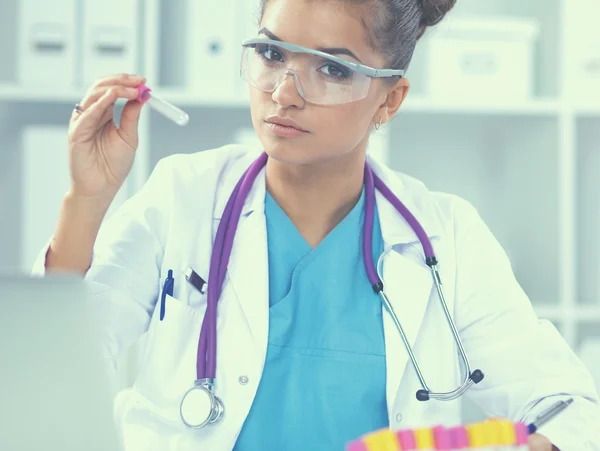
[199, 406]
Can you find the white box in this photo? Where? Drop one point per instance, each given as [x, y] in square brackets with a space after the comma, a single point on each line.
[213, 63]
[582, 52]
[482, 60]
[248, 12]
[111, 40]
[586, 79]
[47, 37]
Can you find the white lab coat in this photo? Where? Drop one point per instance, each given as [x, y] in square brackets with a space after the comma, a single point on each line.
[170, 224]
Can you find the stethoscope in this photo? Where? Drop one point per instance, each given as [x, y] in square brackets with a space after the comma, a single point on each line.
[200, 406]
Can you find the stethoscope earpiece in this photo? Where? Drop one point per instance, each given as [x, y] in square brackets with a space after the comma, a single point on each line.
[477, 376]
[422, 395]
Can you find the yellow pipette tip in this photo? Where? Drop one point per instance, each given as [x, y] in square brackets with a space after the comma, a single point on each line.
[383, 440]
[476, 432]
[424, 438]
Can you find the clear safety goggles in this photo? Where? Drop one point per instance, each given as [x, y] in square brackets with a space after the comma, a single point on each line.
[320, 78]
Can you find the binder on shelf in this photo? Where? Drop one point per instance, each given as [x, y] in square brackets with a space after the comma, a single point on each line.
[582, 53]
[110, 41]
[47, 43]
[483, 58]
[213, 69]
[44, 182]
[248, 16]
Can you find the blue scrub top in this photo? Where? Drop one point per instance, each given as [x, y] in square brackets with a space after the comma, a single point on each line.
[323, 383]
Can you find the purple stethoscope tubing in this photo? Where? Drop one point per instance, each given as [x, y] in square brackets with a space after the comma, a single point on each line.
[206, 366]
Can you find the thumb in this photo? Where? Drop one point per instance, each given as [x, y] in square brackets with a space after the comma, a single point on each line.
[130, 118]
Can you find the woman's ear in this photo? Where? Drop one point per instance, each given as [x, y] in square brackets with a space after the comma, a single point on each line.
[393, 100]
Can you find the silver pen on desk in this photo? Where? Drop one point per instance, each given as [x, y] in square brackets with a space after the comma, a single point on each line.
[548, 414]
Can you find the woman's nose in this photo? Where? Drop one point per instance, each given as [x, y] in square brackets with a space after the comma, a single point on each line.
[289, 91]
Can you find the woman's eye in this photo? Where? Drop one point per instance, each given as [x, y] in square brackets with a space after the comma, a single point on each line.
[334, 70]
[269, 53]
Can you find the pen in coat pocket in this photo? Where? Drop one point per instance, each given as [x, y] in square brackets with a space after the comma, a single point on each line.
[167, 290]
[548, 414]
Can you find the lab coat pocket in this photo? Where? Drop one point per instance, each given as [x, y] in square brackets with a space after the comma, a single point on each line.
[169, 363]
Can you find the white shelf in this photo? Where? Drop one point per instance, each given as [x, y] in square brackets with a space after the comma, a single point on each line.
[553, 313]
[183, 98]
[543, 107]
[587, 313]
[588, 110]
[12, 92]
[17, 93]
[415, 103]
[560, 313]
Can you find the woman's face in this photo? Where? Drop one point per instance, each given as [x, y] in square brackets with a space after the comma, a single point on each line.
[331, 130]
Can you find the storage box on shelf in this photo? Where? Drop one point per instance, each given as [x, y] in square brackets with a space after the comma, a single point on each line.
[588, 211]
[482, 59]
[200, 48]
[582, 58]
[47, 43]
[110, 43]
[72, 43]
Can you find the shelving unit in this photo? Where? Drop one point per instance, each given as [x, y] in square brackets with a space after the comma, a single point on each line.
[13, 92]
[529, 168]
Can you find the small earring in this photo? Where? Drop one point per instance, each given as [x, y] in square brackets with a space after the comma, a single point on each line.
[378, 124]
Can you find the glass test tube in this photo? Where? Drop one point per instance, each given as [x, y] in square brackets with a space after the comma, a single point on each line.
[161, 106]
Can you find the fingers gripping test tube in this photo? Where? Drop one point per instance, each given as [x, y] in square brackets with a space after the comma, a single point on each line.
[163, 107]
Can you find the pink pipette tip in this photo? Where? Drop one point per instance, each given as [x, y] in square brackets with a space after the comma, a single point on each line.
[356, 445]
[521, 433]
[459, 437]
[441, 437]
[407, 440]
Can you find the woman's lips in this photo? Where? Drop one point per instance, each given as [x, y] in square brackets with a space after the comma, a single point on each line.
[285, 131]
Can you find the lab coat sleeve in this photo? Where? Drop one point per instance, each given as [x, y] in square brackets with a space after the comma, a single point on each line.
[124, 274]
[527, 364]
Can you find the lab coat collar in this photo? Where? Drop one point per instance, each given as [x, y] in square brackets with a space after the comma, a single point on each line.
[256, 197]
[395, 229]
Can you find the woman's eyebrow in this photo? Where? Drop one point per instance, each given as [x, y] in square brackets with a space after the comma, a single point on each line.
[330, 50]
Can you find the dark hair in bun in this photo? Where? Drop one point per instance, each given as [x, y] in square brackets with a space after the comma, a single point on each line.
[394, 26]
[433, 11]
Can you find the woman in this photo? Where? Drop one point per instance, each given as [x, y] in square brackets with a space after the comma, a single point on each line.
[307, 356]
